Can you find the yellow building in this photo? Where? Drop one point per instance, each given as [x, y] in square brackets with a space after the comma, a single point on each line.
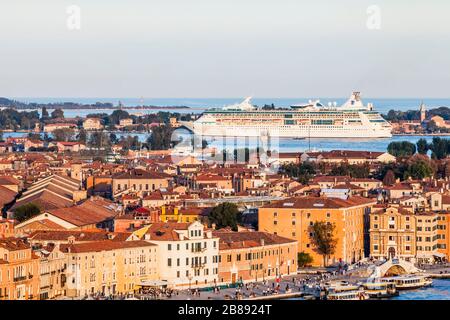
[19, 270]
[176, 214]
[392, 233]
[292, 218]
[108, 267]
[421, 237]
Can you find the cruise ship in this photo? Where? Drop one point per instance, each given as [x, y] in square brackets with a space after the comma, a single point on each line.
[353, 119]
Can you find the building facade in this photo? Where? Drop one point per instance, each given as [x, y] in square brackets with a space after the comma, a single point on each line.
[19, 271]
[292, 218]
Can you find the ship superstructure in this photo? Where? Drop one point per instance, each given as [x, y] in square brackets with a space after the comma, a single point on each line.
[353, 119]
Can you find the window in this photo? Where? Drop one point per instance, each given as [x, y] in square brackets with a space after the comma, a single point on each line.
[169, 262]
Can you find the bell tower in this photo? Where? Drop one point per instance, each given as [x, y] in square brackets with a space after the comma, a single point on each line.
[422, 112]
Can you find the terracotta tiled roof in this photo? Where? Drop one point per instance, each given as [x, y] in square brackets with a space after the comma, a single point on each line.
[248, 239]
[89, 212]
[319, 203]
[84, 236]
[141, 174]
[106, 245]
[13, 244]
[166, 231]
[6, 196]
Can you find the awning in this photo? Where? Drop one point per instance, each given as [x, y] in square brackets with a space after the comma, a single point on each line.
[153, 283]
[439, 255]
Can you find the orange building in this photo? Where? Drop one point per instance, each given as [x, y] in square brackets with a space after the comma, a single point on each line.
[19, 271]
[292, 218]
[254, 256]
[6, 228]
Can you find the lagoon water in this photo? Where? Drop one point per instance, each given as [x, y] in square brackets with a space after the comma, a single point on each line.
[288, 144]
[283, 144]
[198, 105]
[440, 290]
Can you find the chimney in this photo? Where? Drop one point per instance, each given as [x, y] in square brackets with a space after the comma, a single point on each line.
[262, 242]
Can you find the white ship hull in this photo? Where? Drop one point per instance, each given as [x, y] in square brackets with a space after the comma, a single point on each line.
[286, 131]
[351, 120]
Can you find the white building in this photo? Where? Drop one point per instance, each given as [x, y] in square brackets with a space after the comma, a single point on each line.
[188, 255]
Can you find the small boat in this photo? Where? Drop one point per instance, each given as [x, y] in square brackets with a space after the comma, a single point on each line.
[380, 290]
[299, 138]
[340, 286]
[348, 295]
[342, 290]
[409, 282]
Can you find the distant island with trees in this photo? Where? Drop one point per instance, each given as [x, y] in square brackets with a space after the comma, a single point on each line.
[8, 103]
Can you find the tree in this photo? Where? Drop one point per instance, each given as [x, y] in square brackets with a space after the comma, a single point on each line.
[161, 137]
[113, 138]
[57, 113]
[44, 114]
[432, 127]
[118, 115]
[439, 148]
[303, 172]
[389, 178]
[401, 148]
[322, 238]
[422, 146]
[419, 167]
[225, 215]
[26, 211]
[99, 139]
[304, 259]
[1, 136]
[82, 136]
[63, 134]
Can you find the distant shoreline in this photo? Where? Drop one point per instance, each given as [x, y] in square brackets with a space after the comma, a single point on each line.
[86, 107]
[420, 134]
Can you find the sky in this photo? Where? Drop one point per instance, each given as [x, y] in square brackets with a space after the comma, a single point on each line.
[225, 48]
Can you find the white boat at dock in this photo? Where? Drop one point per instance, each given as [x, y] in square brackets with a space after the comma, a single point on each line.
[380, 289]
[348, 295]
[409, 282]
[342, 290]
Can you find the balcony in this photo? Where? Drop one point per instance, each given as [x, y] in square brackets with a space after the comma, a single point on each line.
[17, 279]
[198, 265]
